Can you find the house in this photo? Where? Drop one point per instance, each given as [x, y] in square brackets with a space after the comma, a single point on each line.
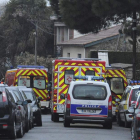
[82, 46]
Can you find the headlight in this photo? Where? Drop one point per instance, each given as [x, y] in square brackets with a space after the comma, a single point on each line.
[34, 109]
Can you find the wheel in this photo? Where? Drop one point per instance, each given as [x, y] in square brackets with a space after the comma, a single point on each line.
[13, 133]
[55, 117]
[126, 123]
[30, 125]
[27, 126]
[21, 131]
[119, 120]
[52, 116]
[39, 122]
[66, 122]
[108, 125]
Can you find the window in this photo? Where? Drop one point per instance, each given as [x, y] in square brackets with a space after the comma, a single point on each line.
[90, 72]
[79, 55]
[28, 95]
[69, 76]
[116, 84]
[68, 54]
[24, 81]
[89, 92]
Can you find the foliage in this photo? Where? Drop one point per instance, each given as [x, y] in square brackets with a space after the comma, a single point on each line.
[17, 27]
[93, 15]
[29, 59]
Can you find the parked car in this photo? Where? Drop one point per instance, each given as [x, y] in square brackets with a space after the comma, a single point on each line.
[16, 91]
[135, 127]
[30, 110]
[10, 114]
[88, 101]
[30, 94]
[129, 97]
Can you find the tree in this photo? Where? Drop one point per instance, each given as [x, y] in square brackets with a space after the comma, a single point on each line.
[18, 28]
[93, 15]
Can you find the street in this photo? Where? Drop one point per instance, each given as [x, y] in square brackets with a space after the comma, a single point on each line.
[56, 131]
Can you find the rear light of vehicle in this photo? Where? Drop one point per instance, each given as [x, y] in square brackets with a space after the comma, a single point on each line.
[19, 107]
[130, 98]
[138, 116]
[5, 126]
[4, 98]
[110, 103]
[68, 102]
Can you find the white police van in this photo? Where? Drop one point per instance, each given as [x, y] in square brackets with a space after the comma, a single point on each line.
[88, 101]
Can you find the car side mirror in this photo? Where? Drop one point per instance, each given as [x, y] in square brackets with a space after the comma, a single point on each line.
[62, 96]
[39, 99]
[29, 101]
[19, 102]
[25, 103]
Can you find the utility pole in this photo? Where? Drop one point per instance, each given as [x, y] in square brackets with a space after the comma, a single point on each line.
[36, 41]
[134, 42]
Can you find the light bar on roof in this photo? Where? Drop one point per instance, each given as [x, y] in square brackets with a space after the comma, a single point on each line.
[30, 66]
[89, 77]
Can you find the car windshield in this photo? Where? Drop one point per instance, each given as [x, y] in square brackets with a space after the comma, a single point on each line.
[116, 84]
[89, 92]
[28, 95]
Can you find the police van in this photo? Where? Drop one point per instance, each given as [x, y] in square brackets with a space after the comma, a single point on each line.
[88, 101]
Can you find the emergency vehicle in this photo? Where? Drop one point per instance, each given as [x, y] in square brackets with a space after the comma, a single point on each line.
[117, 81]
[30, 76]
[88, 101]
[63, 72]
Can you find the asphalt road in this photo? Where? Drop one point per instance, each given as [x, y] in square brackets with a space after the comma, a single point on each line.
[56, 131]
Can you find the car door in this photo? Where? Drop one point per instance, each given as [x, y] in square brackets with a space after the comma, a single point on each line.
[89, 100]
[123, 104]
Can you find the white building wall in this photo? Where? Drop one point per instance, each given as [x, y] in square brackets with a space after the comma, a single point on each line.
[73, 51]
[77, 34]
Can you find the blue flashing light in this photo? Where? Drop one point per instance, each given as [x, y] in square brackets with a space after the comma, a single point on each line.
[86, 77]
[30, 66]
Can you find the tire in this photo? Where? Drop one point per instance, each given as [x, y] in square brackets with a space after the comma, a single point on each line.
[21, 131]
[13, 133]
[108, 125]
[30, 125]
[27, 126]
[126, 123]
[39, 122]
[55, 117]
[66, 123]
[52, 117]
[119, 120]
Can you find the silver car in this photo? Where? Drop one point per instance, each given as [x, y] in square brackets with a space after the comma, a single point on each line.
[26, 98]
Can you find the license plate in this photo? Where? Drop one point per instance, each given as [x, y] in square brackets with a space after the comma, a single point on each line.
[88, 111]
[60, 107]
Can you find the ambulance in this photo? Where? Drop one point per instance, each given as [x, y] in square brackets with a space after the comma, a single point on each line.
[117, 81]
[30, 76]
[63, 72]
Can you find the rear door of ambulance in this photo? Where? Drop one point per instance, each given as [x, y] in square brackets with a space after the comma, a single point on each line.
[64, 74]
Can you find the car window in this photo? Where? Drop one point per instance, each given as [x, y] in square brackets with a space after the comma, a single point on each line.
[116, 84]
[135, 94]
[18, 94]
[89, 92]
[29, 95]
[24, 95]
